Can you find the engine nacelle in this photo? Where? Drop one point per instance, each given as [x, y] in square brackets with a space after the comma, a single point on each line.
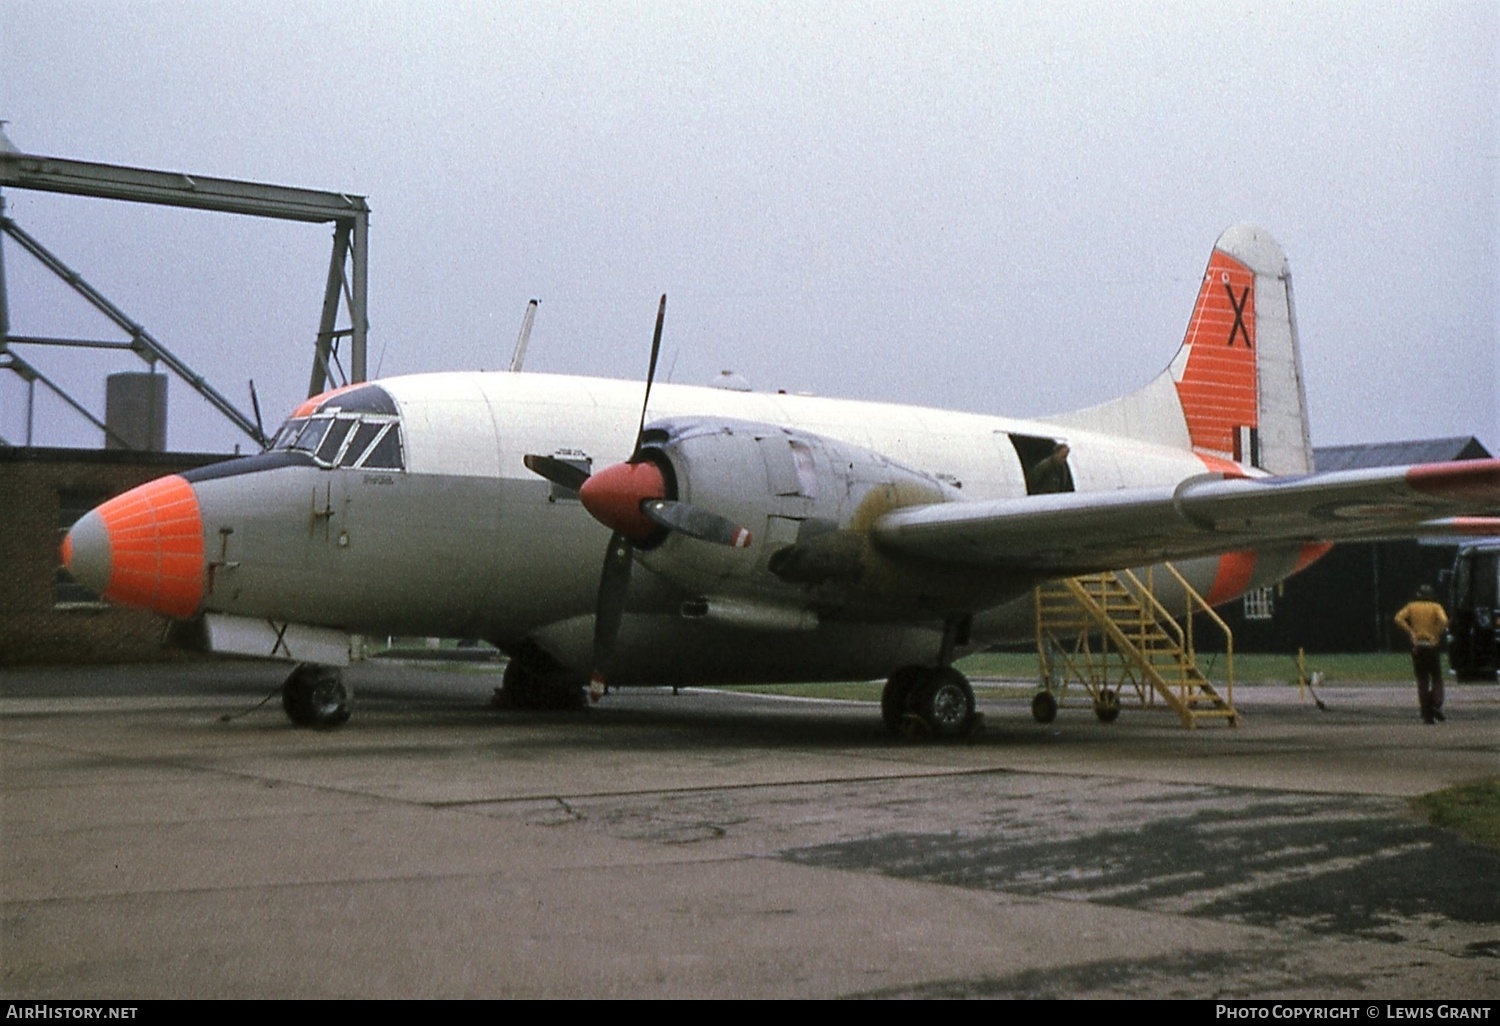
[808, 501]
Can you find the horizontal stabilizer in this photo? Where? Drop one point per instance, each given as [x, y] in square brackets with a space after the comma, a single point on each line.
[1455, 528]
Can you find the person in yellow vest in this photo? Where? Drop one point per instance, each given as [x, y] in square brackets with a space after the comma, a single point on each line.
[1424, 622]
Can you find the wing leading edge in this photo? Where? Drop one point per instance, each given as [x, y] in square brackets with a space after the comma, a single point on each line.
[1082, 532]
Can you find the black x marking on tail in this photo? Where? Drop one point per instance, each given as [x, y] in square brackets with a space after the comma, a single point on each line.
[1239, 314]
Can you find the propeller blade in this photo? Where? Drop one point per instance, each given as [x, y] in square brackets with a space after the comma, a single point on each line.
[559, 472]
[614, 501]
[696, 522]
[661, 314]
[609, 607]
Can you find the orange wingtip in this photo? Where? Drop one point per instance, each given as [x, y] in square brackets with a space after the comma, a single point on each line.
[1471, 480]
[1486, 526]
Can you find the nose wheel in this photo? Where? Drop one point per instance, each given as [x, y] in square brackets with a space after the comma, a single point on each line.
[929, 701]
[316, 696]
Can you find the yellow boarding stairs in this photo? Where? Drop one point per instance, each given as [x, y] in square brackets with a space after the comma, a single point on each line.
[1108, 634]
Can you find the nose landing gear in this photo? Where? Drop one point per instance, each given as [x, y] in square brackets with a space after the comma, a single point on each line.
[316, 696]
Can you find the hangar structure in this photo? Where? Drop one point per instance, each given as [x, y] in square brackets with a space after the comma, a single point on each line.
[347, 270]
[44, 616]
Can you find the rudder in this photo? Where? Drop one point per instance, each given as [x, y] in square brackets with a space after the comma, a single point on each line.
[1238, 374]
[1234, 390]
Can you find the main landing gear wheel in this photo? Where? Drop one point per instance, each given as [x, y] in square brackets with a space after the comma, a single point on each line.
[316, 696]
[896, 701]
[533, 682]
[925, 701]
[1107, 706]
[946, 704]
[1044, 707]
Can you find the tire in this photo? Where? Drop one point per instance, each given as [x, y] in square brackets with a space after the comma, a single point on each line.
[945, 702]
[1107, 706]
[538, 684]
[316, 696]
[897, 701]
[1044, 707]
[914, 728]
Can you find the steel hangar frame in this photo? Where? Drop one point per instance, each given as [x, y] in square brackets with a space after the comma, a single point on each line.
[349, 214]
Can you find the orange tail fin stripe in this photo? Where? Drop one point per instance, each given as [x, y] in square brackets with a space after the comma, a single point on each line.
[1218, 386]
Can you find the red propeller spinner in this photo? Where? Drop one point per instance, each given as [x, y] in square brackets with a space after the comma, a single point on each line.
[614, 495]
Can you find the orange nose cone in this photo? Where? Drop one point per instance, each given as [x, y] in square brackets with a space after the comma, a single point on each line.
[143, 548]
[614, 495]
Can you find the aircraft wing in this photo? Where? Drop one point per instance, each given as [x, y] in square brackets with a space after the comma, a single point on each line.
[1080, 532]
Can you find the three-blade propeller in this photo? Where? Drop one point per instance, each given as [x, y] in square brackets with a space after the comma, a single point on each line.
[631, 499]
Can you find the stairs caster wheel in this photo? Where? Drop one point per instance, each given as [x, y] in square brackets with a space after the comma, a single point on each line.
[1044, 707]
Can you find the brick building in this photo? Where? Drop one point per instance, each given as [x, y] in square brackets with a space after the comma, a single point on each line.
[44, 616]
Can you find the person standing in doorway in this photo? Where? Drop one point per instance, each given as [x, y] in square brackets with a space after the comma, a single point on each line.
[1424, 622]
[1051, 474]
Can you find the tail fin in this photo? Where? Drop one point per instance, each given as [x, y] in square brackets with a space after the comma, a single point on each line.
[1234, 390]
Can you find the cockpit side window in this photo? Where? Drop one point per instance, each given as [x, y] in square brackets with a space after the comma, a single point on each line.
[385, 454]
[359, 444]
[311, 435]
[362, 440]
[287, 432]
[333, 442]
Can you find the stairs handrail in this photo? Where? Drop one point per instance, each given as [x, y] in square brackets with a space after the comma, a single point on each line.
[1197, 603]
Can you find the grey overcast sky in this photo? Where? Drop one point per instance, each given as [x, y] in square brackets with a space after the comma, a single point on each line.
[1000, 207]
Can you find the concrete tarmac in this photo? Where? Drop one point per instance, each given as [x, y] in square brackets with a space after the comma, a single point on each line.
[718, 845]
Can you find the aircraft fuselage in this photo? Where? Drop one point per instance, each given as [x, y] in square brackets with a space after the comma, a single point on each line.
[461, 539]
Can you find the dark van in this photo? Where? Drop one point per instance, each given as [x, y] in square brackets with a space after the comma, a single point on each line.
[1474, 626]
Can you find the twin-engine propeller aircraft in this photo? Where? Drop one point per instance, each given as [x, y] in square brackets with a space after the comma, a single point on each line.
[747, 537]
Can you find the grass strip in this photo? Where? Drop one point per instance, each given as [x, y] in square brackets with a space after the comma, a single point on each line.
[1471, 810]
